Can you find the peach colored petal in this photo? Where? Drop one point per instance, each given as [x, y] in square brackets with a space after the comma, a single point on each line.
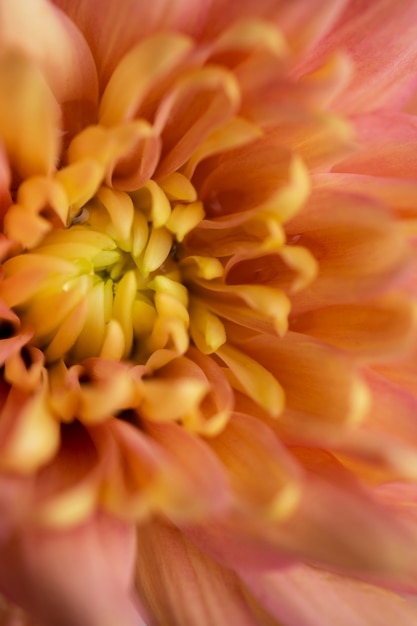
[199, 103]
[29, 430]
[54, 42]
[384, 62]
[364, 538]
[79, 576]
[260, 177]
[194, 459]
[389, 144]
[250, 376]
[398, 193]
[311, 597]
[381, 329]
[5, 178]
[66, 493]
[361, 250]
[121, 27]
[29, 116]
[179, 585]
[322, 388]
[151, 61]
[263, 475]
[143, 475]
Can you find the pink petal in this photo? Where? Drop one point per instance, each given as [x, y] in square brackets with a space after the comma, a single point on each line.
[361, 249]
[79, 576]
[54, 42]
[388, 146]
[363, 538]
[380, 37]
[305, 596]
[111, 29]
[302, 23]
[5, 179]
[181, 586]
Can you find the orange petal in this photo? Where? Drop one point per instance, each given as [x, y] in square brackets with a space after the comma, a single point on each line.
[180, 585]
[151, 61]
[360, 249]
[121, 27]
[199, 103]
[382, 329]
[263, 475]
[49, 38]
[29, 117]
[323, 390]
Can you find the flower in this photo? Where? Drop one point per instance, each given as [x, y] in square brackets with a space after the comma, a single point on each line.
[208, 312]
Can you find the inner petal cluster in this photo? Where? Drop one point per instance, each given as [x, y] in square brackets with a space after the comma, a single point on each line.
[109, 284]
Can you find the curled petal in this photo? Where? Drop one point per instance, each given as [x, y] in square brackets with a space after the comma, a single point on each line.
[151, 61]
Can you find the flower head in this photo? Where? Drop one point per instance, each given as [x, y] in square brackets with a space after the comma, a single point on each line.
[208, 311]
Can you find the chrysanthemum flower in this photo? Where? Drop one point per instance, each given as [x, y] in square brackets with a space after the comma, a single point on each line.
[208, 407]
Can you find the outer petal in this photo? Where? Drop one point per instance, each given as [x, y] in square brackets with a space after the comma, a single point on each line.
[54, 42]
[381, 329]
[388, 146]
[361, 250]
[29, 116]
[310, 597]
[385, 61]
[303, 23]
[111, 29]
[180, 586]
[81, 576]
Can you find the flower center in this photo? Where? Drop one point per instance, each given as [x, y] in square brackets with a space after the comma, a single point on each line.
[110, 283]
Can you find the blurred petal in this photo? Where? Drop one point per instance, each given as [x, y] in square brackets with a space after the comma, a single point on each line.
[311, 597]
[122, 26]
[54, 42]
[384, 62]
[381, 329]
[79, 576]
[179, 585]
[29, 116]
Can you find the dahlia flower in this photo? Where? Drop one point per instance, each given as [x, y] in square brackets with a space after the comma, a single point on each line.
[208, 405]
